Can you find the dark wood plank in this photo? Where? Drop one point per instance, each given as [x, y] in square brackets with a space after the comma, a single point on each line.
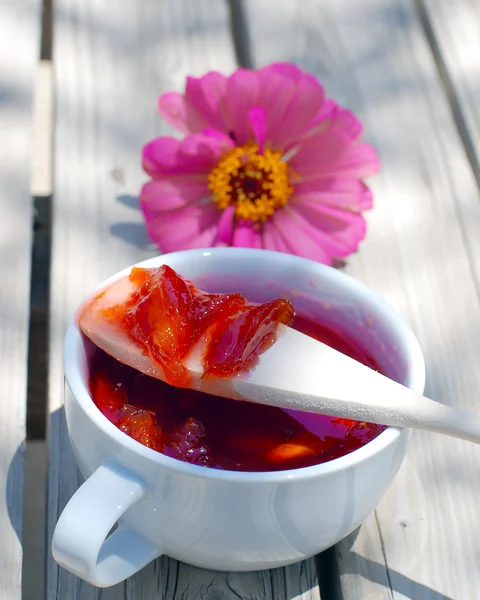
[453, 30]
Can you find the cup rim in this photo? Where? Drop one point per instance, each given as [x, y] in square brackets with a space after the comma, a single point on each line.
[415, 379]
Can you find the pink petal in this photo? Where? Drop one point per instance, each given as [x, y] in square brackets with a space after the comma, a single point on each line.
[325, 113]
[299, 238]
[207, 96]
[285, 69]
[360, 161]
[180, 114]
[318, 154]
[191, 227]
[242, 95]
[332, 117]
[225, 226]
[206, 145]
[345, 121]
[341, 187]
[274, 240]
[304, 105]
[366, 199]
[214, 133]
[275, 95]
[163, 195]
[258, 122]
[159, 154]
[342, 192]
[246, 236]
[194, 154]
[338, 231]
[291, 98]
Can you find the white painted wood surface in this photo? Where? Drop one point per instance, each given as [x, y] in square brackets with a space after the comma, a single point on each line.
[19, 43]
[43, 130]
[109, 68]
[423, 254]
[455, 27]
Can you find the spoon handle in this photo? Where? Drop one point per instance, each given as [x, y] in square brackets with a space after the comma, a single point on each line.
[300, 373]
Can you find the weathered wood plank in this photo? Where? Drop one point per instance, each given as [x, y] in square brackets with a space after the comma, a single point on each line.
[110, 67]
[42, 118]
[297, 581]
[422, 253]
[19, 39]
[454, 32]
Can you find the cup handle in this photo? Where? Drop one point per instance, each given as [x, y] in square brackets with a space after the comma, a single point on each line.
[80, 543]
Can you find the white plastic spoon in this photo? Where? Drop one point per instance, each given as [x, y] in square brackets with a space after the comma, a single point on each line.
[296, 373]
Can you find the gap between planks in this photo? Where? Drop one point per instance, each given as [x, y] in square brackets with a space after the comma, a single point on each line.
[34, 505]
[449, 78]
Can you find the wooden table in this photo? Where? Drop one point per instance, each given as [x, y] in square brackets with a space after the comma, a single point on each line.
[411, 70]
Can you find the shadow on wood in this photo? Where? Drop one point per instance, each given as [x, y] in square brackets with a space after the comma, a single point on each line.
[378, 573]
[133, 233]
[14, 490]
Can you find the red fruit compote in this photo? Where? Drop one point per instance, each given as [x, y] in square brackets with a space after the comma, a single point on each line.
[168, 315]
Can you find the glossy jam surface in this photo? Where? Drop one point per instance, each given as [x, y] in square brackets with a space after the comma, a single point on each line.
[221, 433]
[169, 316]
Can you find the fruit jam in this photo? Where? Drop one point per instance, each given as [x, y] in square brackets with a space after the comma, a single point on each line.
[167, 316]
[221, 433]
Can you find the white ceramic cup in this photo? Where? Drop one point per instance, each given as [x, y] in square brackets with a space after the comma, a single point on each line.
[228, 520]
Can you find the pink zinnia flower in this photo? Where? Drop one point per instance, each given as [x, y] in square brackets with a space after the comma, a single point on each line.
[267, 161]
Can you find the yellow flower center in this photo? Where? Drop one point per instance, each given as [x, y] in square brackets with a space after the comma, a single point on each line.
[255, 183]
